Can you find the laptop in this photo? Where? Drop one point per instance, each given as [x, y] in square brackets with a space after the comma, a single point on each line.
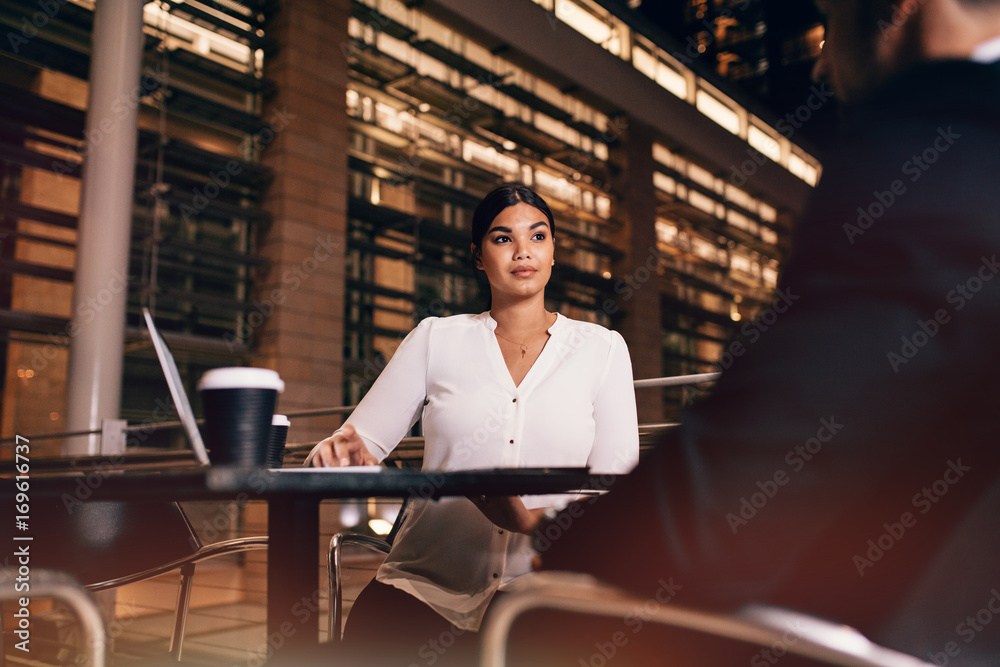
[177, 391]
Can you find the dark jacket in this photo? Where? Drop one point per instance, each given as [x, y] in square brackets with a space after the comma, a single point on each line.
[848, 462]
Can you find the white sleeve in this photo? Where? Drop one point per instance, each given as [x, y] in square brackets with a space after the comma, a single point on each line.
[616, 429]
[395, 401]
[616, 434]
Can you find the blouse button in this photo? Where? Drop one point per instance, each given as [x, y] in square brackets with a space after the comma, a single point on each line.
[500, 532]
[514, 401]
[496, 576]
[512, 442]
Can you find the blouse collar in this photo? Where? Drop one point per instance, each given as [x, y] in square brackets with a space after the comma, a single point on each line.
[491, 323]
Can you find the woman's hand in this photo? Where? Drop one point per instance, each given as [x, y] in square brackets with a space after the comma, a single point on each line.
[508, 512]
[344, 448]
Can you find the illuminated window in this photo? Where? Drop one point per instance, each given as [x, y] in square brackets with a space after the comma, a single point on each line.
[770, 276]
[707, 250]
[527, 176]
[603, 207]
[488, 158]
[390, 118]
[434, 134]
[701, 176]
[206, 43]
[767, 213]
[711, 106]
[740, 221]
[764, 142]
[674, 77]
[648, 60]
[740, 263]
[353, 103]
[558, 187]
[545, 91]
[663, 155]
[581, 20]
[664, 183]
[428, 28]
[700, 201]
[553, 127]
[644, 61]
[400, 50]
[666, 232]
[478, 54]
[741, 198]
[672, 80]
[799, 167]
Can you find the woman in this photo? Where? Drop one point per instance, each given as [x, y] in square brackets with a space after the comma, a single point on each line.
[516, 386]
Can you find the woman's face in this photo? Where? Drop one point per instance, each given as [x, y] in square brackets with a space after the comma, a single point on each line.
[516, 252]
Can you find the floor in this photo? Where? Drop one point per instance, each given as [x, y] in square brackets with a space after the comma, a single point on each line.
[224, 627]
[227, 618]
[221, 631]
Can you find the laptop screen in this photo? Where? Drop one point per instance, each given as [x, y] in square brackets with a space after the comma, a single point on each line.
[177, 392]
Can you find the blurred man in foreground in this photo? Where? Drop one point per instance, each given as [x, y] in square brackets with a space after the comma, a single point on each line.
[848, 463]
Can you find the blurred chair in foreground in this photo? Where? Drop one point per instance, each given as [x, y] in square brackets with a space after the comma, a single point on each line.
[765, 626]
[62, 587]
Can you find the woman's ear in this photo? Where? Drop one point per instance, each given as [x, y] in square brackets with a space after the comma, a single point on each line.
[477, 257]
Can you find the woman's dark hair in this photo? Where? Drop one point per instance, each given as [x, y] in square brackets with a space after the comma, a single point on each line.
[505, 196]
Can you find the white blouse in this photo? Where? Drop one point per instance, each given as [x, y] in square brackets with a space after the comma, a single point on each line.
[574, 408]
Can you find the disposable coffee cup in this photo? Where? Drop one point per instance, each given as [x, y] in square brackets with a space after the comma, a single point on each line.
[238, 405]
[276, 447]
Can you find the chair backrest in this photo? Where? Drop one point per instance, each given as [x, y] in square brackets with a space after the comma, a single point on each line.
[57, 585]
[798, 634]
[404, 511]
[336, 564]
[102, 540]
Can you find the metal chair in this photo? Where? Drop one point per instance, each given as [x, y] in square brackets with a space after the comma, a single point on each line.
[761, 625]
[335, 565]
[60, 586]
[107, 544]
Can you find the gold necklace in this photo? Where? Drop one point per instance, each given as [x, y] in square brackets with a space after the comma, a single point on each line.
[523, 346]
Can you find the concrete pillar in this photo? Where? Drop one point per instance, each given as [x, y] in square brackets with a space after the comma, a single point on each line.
[639, 301]
[301, 293]
[100, 292]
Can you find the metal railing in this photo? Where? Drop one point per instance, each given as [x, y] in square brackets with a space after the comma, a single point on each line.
[673, 381]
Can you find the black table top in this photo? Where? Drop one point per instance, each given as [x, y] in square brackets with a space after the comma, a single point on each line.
[217, 482]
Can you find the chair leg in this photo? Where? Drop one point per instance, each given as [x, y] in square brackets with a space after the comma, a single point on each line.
[336, 592]
[331, 589]
[180, 617]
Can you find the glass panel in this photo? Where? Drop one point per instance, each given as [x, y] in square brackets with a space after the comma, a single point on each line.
[718, 111]
[672, 80]
[764, 142]
[581, 20]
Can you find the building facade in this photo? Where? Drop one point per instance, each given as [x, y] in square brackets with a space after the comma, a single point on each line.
[306, 176]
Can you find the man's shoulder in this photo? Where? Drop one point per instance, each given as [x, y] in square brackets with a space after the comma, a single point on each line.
[934, 89]
[937, 122]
